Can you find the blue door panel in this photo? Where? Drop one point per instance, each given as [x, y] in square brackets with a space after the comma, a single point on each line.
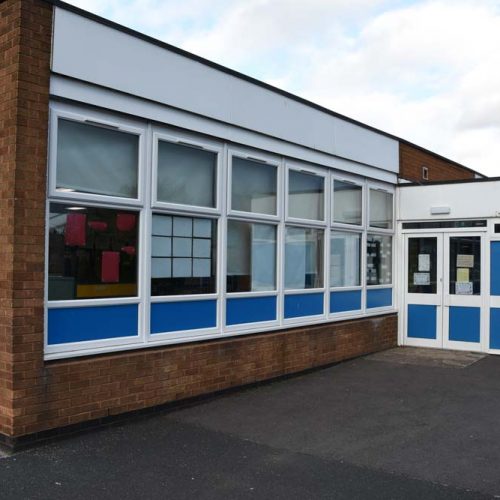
[422, 321]
[494, 328]
[464, 324]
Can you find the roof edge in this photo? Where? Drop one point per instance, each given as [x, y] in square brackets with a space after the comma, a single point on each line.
[455, 181]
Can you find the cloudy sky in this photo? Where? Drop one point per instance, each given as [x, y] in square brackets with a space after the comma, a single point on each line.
[427, 71]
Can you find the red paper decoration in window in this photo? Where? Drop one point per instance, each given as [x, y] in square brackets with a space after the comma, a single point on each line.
[74, 231]
[125, 222]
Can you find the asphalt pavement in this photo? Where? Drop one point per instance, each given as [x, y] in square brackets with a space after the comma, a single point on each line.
[397, 425]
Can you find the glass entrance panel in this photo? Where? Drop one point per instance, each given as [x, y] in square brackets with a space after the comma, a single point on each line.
[423, 290]
[465, 265]
[422, 265]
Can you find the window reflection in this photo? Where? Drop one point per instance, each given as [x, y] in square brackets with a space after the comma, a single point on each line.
[251, 257]
[303, 258]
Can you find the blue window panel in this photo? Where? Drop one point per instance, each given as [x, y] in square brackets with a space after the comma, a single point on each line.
[345, 301]
[422, 321]
[187, 315]
[80, 324]
[250, 310]
[494, 328]
[495, 268]
[464, 324]
[307, 304]
[380, 297]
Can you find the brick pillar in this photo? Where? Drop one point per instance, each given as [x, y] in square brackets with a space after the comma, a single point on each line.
[25, 45]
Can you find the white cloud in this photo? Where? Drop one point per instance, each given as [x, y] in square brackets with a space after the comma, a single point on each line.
[428, 71]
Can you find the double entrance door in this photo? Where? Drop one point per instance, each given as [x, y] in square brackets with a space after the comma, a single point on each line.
[444, 290]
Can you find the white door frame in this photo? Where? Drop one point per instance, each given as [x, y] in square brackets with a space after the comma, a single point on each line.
[442, 299]
[453, 300]
[434, 299]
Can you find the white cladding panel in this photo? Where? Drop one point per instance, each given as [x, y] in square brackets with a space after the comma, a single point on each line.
[96, 53]
[358, 144]
[115, 101]
[465, 200]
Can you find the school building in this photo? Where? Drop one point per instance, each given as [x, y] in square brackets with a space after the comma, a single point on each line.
[170, 228]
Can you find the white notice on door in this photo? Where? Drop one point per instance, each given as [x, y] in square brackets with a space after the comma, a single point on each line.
[465, 260]
[421, 278]
[464, 288]
[424, 262]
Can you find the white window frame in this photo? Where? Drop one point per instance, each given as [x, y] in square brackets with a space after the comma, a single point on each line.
[361, 266]
[385, 189]
[350, 228]
[255, 325]
[188, 140]
[167, 208]
[391, 285]
[370, 230]
[311, 170]
[357, 182]
[254, 218]
[146, 204]
[306, 224]
[304, 291]
[262, 158]
[156, 337]
[103, 344]
[96, 119]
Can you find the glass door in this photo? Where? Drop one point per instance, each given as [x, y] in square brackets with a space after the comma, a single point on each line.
[423, 290]
[463, 291]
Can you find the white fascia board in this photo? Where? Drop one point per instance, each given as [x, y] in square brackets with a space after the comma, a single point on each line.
[85, 93]
[465, 201]
[87, 50]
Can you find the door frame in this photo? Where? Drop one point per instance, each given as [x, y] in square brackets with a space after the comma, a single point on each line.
[435, 299]
[444, 234]
[481, 300]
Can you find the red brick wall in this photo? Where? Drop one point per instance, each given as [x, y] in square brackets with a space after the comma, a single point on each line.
[412, 159]
[72, 391]
[35, 395]
[25, 44]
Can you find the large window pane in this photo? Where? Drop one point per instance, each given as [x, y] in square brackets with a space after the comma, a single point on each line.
[303, 258]
[347, 202]
[183, 255]
[422, 265]
[305, 195]
[96, 160]
[379, 260]
[465, 265]
[345, 259]
[186, 175]
[253, 187]
[92, 252]
[380, 209]
[251, 257]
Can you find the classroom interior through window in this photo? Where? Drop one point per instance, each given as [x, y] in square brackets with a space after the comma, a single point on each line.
[92, 252]
[183, 255]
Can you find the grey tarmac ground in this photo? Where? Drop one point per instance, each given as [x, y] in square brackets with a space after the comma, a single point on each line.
[406, 423]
